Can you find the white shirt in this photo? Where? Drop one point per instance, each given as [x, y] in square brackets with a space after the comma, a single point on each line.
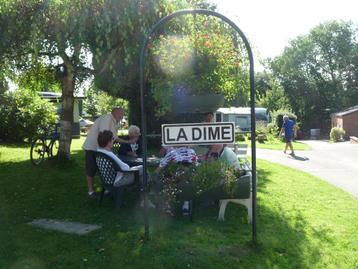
[122, 165]
[104, 122]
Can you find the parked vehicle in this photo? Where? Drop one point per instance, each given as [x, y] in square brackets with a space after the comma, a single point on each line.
[85, 124]
[241, 116]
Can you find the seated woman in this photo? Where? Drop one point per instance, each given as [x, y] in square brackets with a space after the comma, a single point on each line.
[105, 141]
[134, 148]
[217, 151]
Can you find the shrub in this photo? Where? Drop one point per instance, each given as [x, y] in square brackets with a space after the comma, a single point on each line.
[240, 137]
[273, 129]
[336, 134]
[22, 113]
[202, 178]
[277, 117]
[261, 132]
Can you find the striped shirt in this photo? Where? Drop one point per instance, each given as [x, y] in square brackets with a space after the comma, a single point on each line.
[181, 154]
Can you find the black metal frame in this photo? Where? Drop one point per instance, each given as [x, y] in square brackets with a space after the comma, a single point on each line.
[252, 105]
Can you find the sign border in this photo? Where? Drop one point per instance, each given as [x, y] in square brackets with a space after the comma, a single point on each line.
[198, 124]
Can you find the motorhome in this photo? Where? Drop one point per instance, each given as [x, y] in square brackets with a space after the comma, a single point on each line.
[241, 116]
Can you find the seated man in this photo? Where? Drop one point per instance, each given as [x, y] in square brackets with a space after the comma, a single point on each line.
[105, 141]
[133, 148]
[181, 154]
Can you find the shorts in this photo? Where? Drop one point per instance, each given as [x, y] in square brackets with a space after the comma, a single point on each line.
[288, 139]
[91, 165]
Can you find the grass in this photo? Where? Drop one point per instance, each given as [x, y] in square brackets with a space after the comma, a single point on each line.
[277, 144]
[302, 222]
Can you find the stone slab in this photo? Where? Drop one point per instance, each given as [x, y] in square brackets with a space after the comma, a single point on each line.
[64, 226]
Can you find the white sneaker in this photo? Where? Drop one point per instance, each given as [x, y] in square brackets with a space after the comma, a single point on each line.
[185, 208]
[106, 192]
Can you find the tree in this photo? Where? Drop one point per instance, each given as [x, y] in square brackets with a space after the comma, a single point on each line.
[22, 113]
[4, 86]
[64, 35]
[318, 72]
[99, 103]
[269, 93]
[49, 33]
[116, 46]
[37, 78]
[196, 55]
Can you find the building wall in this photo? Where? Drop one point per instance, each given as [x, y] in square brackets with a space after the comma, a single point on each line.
[350, 124]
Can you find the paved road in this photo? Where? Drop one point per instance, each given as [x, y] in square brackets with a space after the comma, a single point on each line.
[336, 163]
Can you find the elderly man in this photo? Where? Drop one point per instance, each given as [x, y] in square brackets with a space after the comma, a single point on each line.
[105, 122]
[289, 130]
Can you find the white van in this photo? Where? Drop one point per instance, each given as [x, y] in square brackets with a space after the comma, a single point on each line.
[241, 116]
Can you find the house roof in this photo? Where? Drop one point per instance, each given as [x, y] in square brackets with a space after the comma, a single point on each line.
[346, 111]
[55, 95]
[240, 110]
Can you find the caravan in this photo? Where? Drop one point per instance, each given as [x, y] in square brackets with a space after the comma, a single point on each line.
[241, 116]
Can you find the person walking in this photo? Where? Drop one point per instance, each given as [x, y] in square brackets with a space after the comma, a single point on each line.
[109, 122]
[289, 131]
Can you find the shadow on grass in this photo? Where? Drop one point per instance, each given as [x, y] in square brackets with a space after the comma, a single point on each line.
[58, 191]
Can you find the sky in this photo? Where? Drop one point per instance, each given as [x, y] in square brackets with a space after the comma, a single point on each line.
[270, 25]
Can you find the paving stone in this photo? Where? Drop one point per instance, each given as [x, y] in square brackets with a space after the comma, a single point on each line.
[64, 226]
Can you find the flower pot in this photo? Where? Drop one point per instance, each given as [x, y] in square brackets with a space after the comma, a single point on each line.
[203, 103]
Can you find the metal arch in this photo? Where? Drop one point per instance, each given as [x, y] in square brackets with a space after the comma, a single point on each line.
[252, 105]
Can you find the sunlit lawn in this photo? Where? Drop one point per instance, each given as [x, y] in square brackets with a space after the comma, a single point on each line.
[277, 144]
[302, 222]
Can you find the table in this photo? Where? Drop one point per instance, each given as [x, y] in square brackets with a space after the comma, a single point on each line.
[134, 161]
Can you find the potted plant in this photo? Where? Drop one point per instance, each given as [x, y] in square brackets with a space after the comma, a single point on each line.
[207, 181]
[195, 67]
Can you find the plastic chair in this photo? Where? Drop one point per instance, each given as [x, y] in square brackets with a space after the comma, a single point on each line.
[108, 170]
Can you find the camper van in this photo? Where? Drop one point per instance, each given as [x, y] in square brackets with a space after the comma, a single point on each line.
[241, 116]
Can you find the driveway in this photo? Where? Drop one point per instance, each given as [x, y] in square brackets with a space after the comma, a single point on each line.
[336, 163]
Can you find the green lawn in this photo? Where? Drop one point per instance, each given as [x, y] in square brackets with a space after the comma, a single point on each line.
[302, 222]
[277, 144]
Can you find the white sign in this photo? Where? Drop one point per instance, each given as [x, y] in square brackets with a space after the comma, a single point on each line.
[198, 133]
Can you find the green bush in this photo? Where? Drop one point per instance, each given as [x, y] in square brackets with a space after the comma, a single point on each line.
[239, 137]
[202, 178]
[22, 113]
[273, 129]
[336, 134]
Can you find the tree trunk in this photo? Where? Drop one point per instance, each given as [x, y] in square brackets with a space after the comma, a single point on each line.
[134, 116]
[68, 85]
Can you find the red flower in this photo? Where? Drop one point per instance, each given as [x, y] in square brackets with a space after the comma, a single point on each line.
[207, 44]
